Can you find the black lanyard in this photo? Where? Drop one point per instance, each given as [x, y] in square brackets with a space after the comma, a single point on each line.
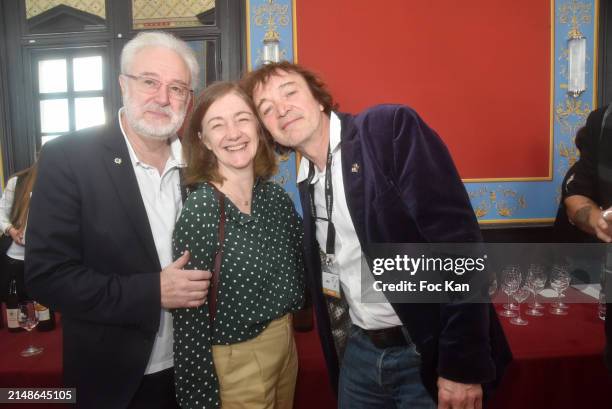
[329, 201]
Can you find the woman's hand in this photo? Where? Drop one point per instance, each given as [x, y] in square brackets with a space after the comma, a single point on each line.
[16, 235]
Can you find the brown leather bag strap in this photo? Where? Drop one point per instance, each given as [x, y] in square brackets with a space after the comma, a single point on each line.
[214, 281]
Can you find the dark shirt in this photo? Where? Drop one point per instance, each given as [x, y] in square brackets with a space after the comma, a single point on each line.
[261, 279]
[591, 176]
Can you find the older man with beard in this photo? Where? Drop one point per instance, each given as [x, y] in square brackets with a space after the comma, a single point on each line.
[99, 234]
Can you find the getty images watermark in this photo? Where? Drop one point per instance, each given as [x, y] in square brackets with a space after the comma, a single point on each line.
[478, 272]
[412, 266]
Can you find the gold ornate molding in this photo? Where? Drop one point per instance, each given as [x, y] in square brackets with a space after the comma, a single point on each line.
[569, 108]
[570, 153]
[154, 14]
[575, 13]
[36, 7]
[505, 202]
[271, 14]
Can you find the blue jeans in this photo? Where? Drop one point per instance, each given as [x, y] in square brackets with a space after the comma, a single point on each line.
[372, 378]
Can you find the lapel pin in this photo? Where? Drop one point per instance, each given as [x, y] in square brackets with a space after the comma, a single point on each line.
[355, 168]
[118, 161]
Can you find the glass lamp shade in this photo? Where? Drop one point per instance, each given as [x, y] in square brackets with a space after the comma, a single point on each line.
[576, 83]
[271, 52]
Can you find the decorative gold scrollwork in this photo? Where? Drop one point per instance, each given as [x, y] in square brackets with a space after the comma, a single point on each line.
[482, 209]
[36, 7]
[569, 152]
[282, 177]
[575, 13]
[506, 202]
[572, 107]
[271, 14]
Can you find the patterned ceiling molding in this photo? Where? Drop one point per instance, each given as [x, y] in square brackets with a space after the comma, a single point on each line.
[36, 7]
[151, 14]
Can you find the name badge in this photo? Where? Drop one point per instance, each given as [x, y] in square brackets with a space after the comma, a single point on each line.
[330, 276]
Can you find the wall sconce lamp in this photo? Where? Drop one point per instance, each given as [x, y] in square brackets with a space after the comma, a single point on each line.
[271, 45]
[576, 73]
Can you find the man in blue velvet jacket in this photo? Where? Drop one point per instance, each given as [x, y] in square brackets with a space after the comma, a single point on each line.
[382, 176]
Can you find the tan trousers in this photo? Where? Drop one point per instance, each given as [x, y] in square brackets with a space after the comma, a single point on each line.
[259, 373]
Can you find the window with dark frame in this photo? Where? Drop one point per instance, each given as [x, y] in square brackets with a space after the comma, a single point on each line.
[64, 61]
[71, 91]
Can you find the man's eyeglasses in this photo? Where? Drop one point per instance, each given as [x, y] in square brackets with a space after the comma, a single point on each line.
[150, 85]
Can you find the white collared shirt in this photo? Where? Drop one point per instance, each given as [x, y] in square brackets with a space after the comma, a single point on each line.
[15, 251]
[161, 195]
[348, 249]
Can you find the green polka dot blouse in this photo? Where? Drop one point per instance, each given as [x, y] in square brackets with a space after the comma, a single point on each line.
[261, 279]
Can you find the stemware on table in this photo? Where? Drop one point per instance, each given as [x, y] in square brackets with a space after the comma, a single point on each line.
[535, 282]
[511, 281]
[559, 281]
[28, 321]
[520, 295]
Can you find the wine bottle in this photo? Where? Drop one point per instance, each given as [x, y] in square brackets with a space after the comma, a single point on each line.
[12, 307]
[46, 318]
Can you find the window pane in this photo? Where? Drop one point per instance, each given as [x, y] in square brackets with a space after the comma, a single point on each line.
[46, 138]
[205, 52]
[52, 76]
[89, 112]
[87, 73]
[172, 14]
[54, 115]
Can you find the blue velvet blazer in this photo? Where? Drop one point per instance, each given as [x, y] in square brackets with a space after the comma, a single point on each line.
[407, 190]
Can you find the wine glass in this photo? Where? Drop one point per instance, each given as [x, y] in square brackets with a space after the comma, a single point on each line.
[511, 281]
[511, 305]
[559, 281]
[535, 282]
[28, 321]
[520, 295]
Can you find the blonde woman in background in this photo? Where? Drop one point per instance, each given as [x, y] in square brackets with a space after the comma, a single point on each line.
[14, 206]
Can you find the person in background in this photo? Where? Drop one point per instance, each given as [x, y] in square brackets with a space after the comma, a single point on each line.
[14, 207]
[237, 350]
[99, 245]
[381, 176]
[587, 192]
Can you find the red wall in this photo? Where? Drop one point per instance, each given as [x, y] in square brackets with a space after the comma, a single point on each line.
[478, 71]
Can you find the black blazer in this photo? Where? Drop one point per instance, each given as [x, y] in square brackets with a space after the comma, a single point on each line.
[91, 256]
[401, 186]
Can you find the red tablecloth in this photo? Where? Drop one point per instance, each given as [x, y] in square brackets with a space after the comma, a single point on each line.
[42, 370]
[558, 361]
[558, 365]
[45, 370]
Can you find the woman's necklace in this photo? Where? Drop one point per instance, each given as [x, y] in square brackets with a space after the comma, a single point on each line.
[239, 201]
[245, 202]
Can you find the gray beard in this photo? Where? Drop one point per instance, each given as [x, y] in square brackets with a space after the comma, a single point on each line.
[147, 130]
